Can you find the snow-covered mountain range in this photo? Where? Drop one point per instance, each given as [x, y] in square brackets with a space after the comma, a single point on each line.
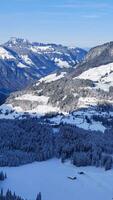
[64, 115]
[84, 99]
[23, 62]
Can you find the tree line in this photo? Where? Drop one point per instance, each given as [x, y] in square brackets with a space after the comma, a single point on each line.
[28, 140]
[12, 196]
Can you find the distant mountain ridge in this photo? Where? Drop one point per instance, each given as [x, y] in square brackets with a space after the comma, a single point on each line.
[23, 62]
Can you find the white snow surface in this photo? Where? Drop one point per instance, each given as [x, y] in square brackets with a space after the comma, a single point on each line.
[21, 65]
[52, 77]
[102, 75]
[78, 118]
[27, 60]
[51, 179]
[4, 54]
[86, 102]
[8, 111]
[61, 63]
[44, 109]
[31, 97]
[41, 49]
[44, 48]
[43, 106]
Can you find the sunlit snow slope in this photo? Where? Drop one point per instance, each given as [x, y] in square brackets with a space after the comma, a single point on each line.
[51, 178]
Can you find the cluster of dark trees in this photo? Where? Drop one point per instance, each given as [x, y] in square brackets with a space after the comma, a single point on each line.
[24, 141]
[3, 176]
[12, 196]
[84, 147]
[3, 96]
[28, 140]
[9, 195]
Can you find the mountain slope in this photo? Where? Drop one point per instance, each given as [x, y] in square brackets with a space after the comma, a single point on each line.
[100, 55]
[85, 100]
[22, 62]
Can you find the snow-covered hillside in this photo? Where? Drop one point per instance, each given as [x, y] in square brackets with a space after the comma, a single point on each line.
[102, 76]
[51, 178]
[85, 100]
[65, 102]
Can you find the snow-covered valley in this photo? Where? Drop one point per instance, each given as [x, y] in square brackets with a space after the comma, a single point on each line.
[56, 100]
[51, 178]
[62, 115]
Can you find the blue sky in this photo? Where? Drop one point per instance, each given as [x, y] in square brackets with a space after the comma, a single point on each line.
[83, 23]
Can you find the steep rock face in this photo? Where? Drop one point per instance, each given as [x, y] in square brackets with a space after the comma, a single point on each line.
[23, 62]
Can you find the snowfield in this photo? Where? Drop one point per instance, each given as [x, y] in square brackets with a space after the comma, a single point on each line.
[27, 60]
[78, 118]
[51, 178]
[51, 77]
[21, 65]
[102, 75]
[44, 49]
[61, 63]
[4, 54]
[7, 111]
[32, 97]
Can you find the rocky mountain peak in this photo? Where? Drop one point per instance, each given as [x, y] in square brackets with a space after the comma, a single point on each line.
[13, 41]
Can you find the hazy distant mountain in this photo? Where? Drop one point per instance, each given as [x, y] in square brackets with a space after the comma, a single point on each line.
[23, 62]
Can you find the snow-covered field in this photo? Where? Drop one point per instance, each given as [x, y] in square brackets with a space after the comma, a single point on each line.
[50, 177]
[102, 75]
[77, 118]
